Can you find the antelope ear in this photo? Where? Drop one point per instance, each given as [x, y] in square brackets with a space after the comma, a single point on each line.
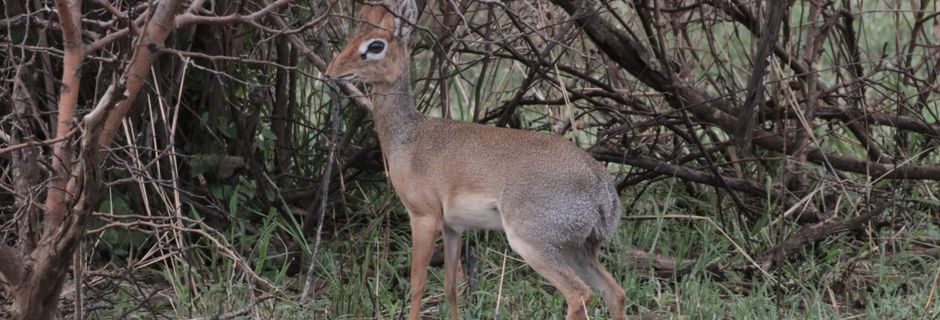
[405, 13]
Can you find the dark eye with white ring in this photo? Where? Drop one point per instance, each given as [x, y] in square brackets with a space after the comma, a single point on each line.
[376, 47]
[373, 49]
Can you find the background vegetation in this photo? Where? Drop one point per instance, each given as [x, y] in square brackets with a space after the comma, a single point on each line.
[186, 159]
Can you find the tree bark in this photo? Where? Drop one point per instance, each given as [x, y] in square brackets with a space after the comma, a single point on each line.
[281, 115]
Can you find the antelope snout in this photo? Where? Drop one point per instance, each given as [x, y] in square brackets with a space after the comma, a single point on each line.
[333, 74]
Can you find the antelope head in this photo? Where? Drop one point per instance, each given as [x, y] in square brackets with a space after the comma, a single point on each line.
[377, 50]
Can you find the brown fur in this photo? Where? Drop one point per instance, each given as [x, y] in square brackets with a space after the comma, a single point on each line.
[555, 203]
[376, 23]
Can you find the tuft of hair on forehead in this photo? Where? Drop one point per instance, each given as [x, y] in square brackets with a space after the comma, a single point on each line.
[375, 16]
[395, 16]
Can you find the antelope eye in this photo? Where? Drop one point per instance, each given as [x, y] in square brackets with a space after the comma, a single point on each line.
[372, 49]
[376, 47]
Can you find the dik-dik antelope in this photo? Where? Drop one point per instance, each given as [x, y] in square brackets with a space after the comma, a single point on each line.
[555, 203]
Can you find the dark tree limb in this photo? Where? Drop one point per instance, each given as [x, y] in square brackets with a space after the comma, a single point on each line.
[281, 114]
[708, 178]
[778, 10]
[668, 169]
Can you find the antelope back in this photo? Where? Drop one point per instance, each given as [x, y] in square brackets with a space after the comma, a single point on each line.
[376, 51]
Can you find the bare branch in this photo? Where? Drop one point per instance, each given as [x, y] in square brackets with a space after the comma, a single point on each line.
[189, 18]
[70, 13]
[133, 79]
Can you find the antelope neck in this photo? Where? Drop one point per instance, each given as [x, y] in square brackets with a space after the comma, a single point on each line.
[396, 117]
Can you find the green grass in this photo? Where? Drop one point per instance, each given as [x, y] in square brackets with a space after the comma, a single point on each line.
[836, 278]
[363, 270]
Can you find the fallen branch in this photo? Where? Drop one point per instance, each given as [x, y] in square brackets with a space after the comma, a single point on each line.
[666, 267]
[810, 234]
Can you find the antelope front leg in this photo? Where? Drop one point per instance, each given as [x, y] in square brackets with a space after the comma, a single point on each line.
[423, 230]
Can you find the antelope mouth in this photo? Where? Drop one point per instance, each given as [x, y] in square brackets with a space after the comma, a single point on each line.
[349, 77]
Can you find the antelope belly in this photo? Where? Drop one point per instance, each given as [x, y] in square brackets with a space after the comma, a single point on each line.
[473, 212]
